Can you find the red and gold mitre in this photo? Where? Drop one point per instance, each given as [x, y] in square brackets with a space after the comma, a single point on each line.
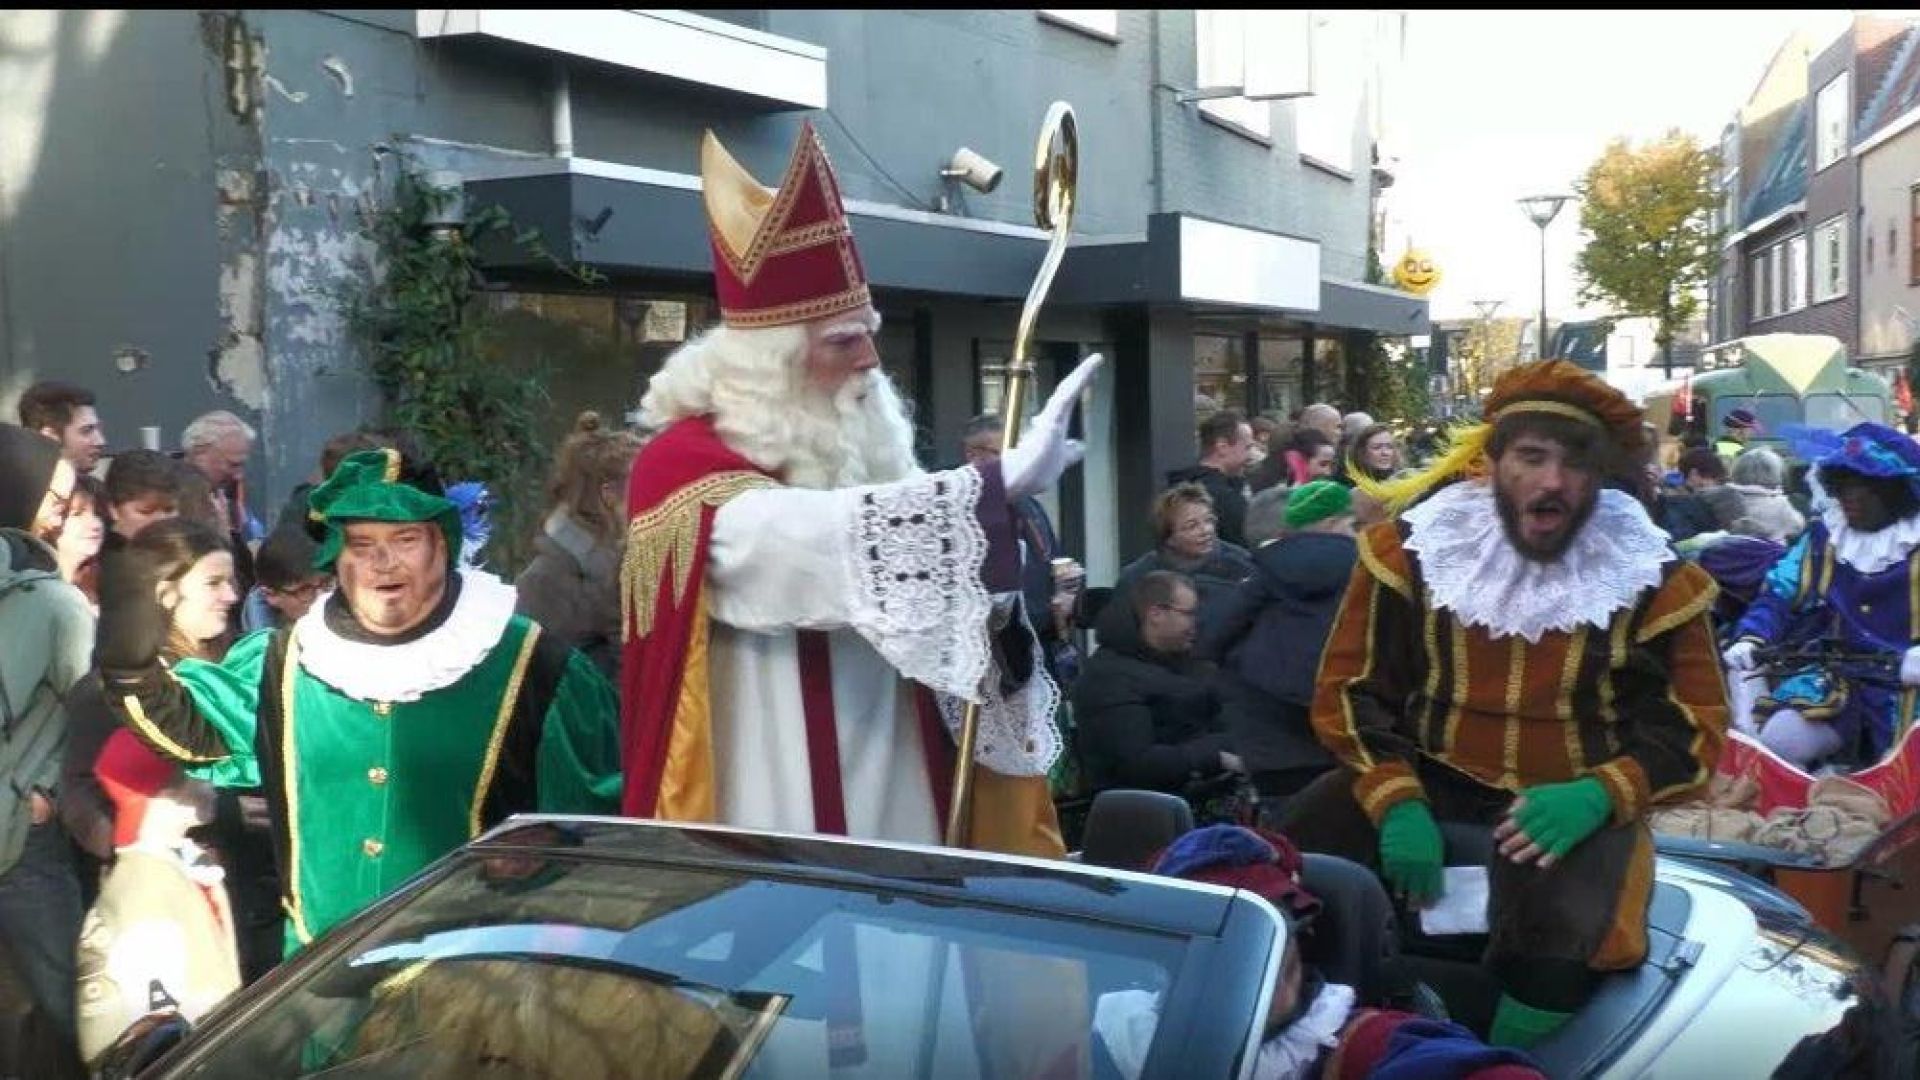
[783, 256]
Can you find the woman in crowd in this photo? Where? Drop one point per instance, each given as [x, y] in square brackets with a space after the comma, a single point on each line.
[78, 548]
[195, 570]
[1188, 541]
[1374, 453]
[572, 586]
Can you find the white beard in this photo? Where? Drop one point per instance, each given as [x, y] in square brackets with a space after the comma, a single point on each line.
[752, 382]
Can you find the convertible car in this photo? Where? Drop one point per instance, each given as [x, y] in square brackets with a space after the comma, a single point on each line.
[586, 948]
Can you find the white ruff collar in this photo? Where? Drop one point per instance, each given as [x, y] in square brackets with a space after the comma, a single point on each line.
[406, 672]
[1870, 552]
[1474, 571]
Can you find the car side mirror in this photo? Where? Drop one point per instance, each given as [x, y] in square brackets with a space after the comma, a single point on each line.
[144, 1042]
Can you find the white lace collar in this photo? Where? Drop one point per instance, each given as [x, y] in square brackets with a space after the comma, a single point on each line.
[441, 658]
[1870, 552]
[1474, 571]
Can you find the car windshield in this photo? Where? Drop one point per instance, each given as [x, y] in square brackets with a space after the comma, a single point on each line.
[1838, 412]
[517, 965]
[1775, 411]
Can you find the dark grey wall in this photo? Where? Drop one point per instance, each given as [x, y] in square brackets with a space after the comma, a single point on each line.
[1833, 190]
[199, 190]
[126, 177]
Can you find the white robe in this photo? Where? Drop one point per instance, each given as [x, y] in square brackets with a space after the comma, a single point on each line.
[892, 574]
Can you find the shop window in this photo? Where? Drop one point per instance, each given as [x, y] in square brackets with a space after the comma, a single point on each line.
[591, 350]
[1758, 283]
[1796, 254]
[1219, 372]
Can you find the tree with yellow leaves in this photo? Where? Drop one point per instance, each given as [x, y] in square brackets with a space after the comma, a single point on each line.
[1651, 242]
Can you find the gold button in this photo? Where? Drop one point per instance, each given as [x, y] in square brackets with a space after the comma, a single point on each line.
[376, 775]
[382, 708]
[372, 847]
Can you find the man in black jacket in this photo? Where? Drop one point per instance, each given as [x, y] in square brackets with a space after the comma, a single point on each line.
[1268, 638]
[1146, 710]
[1226, 445]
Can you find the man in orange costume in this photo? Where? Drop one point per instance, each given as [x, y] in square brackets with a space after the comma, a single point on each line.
[1521, 650]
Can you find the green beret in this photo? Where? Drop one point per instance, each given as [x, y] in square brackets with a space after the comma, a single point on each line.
[366, 487]
[1317, 500]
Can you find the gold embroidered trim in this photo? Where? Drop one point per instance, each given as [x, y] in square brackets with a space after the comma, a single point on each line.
[664, 539]
[826, 232]
[138, 715]
[1686, 613]
[1388, 789]
[1516, 682]
[1563, 704]
[800, 310]
[1556, 408]
[1379, 569]
[288, 673]
[1366, 671]
[500, 724]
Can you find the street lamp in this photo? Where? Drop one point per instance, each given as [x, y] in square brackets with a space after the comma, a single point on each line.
[1542, 209]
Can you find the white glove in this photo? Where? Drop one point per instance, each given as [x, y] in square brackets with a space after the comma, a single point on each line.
[1045, 452]
[1910, 667]
[1739, 657]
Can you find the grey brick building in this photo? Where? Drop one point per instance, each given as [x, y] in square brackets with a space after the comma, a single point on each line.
[181, 196]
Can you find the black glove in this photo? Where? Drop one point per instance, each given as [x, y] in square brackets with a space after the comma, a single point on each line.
[133, 626]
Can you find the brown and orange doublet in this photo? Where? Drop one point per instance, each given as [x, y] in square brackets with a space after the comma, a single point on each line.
[1639, 704]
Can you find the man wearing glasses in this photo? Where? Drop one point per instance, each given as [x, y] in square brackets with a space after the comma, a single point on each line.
[1147, 710]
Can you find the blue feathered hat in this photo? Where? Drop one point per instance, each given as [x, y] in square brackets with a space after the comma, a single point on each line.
[1868, 449]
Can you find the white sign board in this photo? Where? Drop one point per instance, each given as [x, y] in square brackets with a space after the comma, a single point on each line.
[1230, 265]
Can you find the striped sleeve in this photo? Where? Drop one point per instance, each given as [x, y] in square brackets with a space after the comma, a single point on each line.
[1371, 658]
[1673, 717]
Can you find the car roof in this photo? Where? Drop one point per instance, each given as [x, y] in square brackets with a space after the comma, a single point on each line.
[1049, 887]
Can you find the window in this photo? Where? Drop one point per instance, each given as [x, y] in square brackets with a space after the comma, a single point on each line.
[1830, 260]
[1758, 284]
[1830, 111]
[1796, 254]
[1100, 22]
[1913, 235]
[1220, 42]
[1324, 124]
[1778, 273]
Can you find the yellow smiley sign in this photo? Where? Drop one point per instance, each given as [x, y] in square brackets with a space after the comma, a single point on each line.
[1416, 273]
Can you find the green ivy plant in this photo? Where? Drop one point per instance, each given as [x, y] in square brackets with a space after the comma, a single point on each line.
[424, 333]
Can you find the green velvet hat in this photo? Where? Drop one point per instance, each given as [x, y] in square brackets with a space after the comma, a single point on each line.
[366, 487]
[1317, 501]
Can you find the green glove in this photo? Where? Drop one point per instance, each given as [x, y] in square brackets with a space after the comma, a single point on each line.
[1557, 817]
[1411, 851]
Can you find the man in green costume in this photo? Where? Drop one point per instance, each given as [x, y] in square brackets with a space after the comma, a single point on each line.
[406, 712]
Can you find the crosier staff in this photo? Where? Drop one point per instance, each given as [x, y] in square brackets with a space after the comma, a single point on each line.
[1056, 171]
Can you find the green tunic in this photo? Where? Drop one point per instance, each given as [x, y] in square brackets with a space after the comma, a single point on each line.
[367, 793]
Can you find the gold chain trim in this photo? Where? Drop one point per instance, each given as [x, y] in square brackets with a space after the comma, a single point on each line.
[665, 539]
[501, 723]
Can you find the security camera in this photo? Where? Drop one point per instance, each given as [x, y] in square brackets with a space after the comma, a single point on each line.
[973, 170]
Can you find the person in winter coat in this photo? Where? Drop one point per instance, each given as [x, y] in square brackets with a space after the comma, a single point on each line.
[572, 586]
[1188, 543]
[46, 641]
[1752, 502]
[1271, 634]
[1146, 710]
[1226, 448]
[161, 937]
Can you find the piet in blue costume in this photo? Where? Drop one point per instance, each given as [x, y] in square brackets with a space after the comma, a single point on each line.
[1855, 575]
